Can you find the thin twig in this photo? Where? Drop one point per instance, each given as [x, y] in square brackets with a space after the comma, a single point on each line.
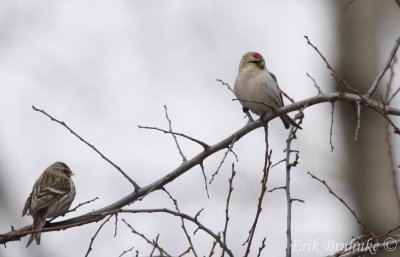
[152, 243]
[385, 68]
[331, 129]
[344, 85]
[154, 247]
[388, 99]
[287, 96]
[95, 235]
[185, 252]
[223, 159]
[315, 84]
[126, 251]
[204, 145]
[183, 224]
[261, 247]
[388, 141]
[227, 85]
[276, 188]
[62, 123]
[267, 166]
[348, 4]
[344, 203]
[213, 247]
[205, 179]
[227, 207]
[116, 225]
[80, 205]
[277, 163]
[358, 106]
[394, 94]
[173, 135]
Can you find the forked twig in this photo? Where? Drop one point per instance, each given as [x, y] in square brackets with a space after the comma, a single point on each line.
[184, 159]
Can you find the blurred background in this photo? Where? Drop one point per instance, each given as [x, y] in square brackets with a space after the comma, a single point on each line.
[105, 67]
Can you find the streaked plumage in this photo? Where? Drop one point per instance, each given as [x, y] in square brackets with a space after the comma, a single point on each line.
[257, 88]
[52, 195]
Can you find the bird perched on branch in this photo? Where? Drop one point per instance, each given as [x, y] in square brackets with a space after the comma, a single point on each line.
[257, 88]
[51, 196]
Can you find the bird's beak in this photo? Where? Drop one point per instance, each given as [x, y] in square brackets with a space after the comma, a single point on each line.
[261, 63]
[70, 174]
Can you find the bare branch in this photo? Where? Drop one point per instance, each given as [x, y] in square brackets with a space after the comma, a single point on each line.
[344, 203]
[315, 84]
[227, 85]
[344, 85]
[62, 123]
[276, 188]
[223, 159]
[79, 205]
[205, 179]
[153, 243]
[185, 252]
[187, 217]
[173, 135]
[331, 129]
[389, 85]
[183, 224]
[385, 68]
[126, 251]
[288, 197]
[267, 166]
[358, 106]
[261, 247]
[116, 225]
[287, 96]
[204, 145]
[213, 247]
[348, 4]
[388, 141]
[100, 214]
[227, 207]
[95, 235]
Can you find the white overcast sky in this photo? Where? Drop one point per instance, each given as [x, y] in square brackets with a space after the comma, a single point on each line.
[105, 67]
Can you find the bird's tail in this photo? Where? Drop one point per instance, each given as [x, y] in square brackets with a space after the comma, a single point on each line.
[38, 222]
[287, 121]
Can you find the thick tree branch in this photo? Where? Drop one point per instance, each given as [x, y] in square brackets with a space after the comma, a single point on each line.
[196, 160]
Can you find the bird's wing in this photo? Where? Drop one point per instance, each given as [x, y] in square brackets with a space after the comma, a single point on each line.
[50, 191]
[278, 92]
[25, 211]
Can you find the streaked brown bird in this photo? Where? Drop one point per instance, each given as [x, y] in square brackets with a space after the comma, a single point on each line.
[51, 196]
[257, 89]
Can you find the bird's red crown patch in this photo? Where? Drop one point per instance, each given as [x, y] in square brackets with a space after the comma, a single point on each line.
[257, 56]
